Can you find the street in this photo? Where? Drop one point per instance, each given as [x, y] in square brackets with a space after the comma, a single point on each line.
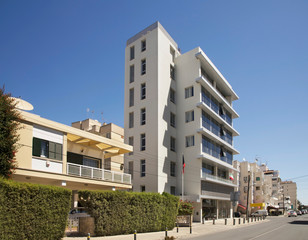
[277, 228]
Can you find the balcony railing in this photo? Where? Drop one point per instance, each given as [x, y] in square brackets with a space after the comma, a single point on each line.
[216, 178]
[98, 173]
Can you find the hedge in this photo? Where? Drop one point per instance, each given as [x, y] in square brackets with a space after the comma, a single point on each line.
[121, 212]
[30, 211]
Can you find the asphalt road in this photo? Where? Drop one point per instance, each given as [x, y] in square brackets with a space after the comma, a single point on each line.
[277, 228]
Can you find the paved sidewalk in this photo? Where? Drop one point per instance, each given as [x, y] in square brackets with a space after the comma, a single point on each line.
[198, 229]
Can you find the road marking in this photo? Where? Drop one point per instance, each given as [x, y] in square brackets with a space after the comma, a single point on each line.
[267, 232]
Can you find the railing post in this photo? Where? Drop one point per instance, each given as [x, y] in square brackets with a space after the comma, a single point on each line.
[112, 176]
[103, 174]
[80, 170]
[91, 172]
[122, 178]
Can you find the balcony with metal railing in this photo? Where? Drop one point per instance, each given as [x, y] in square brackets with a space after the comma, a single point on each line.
[216, 179]
[98, 173]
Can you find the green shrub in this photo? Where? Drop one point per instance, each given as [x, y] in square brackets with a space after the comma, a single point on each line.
[30, 211]
[185, 208]
[124, 212]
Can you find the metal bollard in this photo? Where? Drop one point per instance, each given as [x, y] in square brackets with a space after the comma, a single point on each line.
[202, 220]
[248, 220]
[243, 220]
[177, 227]
[190, 229]
[233, 221]
[166, 235]
[226, 221]
[255, 219]
[88, 237]
[213, 221]
[239, 221]
[135, 235]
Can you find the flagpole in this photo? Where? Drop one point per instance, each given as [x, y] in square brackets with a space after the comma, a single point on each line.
[183, 166]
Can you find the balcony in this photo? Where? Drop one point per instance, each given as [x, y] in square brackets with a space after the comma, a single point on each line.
[216, 179]
[98, 173]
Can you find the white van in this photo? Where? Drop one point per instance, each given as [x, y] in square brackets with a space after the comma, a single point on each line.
[260, 213]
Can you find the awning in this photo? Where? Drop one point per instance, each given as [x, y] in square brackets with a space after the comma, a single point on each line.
[241, 206]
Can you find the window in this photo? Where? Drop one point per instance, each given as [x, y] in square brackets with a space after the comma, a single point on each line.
[172, 190]
[143, 91]
[172, 72]
[190, 141]
[189, 116]
[257, 178]
[172, 169]
[107, 163]
[172, 144]
[245, 189]
[142, 116]
[132, 52]
[143, 67]
[142, 142]
[257, 188]
[108, 135]
[131, 168]
[172, 119]
[222, 173]
[245, 179]
[189, 92]
[142, 168]
[172, 95]
[47, 149]
[131, 120]
[131, 97]
[207, 169]
[143, 45]
[142, 188]
[131, 143]
[131, 73]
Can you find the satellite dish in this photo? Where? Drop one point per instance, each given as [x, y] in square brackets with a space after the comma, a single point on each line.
[22, 104]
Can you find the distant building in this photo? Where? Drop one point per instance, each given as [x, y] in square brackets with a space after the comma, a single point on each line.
[289, 190]
[111, 131]
[179, 105]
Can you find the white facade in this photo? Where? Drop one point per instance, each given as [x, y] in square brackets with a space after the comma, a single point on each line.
[187, 106]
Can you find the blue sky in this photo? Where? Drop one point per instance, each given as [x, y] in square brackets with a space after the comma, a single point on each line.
[67, 56]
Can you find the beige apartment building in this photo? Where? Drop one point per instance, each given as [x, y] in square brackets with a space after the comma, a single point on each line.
[52, 153]
[289, 190]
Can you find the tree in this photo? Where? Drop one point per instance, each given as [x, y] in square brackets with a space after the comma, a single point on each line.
[9, 125]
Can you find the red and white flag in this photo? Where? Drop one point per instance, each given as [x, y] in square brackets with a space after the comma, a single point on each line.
[183, 164]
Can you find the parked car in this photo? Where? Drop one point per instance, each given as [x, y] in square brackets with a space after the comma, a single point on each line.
[292, 214]
[299, 213]
[260, 213]
[78, 212]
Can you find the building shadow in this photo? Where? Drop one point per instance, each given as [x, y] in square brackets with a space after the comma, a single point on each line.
[299, 222]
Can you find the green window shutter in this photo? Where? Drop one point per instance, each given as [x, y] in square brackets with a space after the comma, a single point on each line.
[52, 150]
[36, 147]
[58, 151]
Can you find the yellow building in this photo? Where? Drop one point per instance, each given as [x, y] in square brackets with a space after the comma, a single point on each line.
[52, 153]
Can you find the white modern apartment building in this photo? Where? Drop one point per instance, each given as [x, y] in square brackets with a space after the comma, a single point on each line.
[179, 105]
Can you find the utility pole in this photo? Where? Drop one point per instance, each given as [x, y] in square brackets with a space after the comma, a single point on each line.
[283, 202]
[247, 212]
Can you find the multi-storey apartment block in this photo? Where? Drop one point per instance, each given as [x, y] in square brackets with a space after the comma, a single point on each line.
[289, 189]
[179, 106]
